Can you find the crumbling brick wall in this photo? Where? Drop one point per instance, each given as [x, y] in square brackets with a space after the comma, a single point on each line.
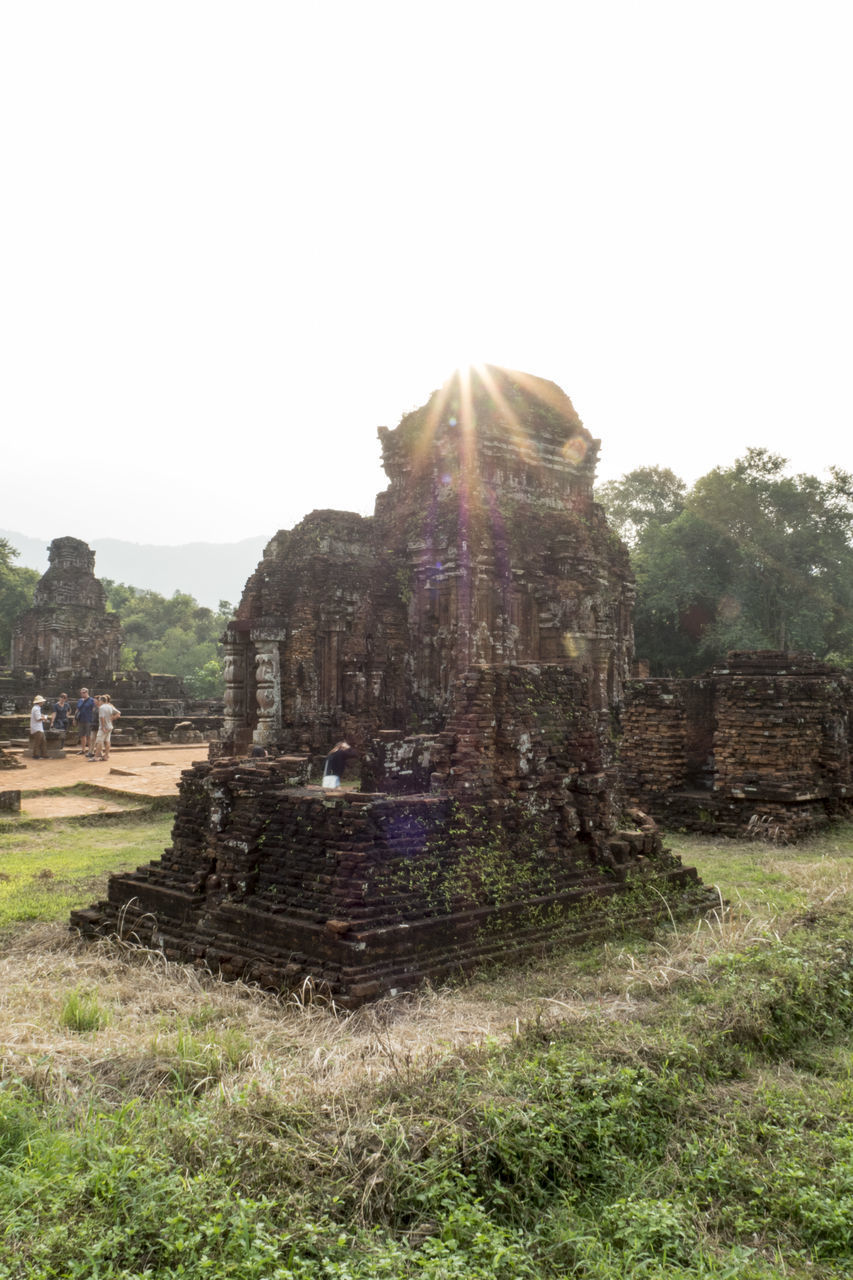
[485, 549]
[777, 727]
[365, 893]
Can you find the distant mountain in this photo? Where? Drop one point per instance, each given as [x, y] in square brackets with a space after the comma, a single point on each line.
[210, 571]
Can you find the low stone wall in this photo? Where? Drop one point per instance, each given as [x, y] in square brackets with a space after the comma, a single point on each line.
[761, 746]
[17, 727]
[397, 763]
[9, 761]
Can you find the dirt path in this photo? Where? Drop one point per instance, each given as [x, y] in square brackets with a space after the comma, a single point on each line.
[70, 805]
[146, 772]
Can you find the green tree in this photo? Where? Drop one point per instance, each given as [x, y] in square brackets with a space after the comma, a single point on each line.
[791, 567]
[174, 635]
[681, 570]
[16, 592]
[641, 499]
[756, 558]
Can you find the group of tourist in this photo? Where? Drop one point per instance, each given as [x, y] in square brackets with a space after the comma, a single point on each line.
[94, 743]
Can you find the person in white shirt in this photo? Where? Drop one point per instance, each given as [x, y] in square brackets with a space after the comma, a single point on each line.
[107, 713]
[38, 742]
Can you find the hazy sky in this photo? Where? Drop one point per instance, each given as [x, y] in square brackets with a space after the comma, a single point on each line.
[236, 238]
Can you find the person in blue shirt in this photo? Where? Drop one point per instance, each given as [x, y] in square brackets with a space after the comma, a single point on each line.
[84, 717]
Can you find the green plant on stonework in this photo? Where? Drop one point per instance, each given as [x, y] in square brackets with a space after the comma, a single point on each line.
[473, 860]
[403, 579]
[477, 861]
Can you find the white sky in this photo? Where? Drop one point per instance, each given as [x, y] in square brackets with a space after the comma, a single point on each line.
[238, 237]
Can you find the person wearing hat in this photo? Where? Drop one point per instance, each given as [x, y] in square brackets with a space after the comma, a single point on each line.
[38, 742]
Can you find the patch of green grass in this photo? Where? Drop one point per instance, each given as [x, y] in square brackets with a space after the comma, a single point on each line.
[46, 872]
[82, 1011]
[762, 879]
[199, 1061]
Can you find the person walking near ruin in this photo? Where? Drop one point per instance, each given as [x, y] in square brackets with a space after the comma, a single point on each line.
[38, 742]
[107, 713]
[336, 762]
[59, 718]
[84, 718]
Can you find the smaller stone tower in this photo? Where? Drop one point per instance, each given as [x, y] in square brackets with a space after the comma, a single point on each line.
[68, 628]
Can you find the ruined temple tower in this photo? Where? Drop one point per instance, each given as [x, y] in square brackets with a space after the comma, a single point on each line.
[486, 548]
[473, 640]
[68, 628]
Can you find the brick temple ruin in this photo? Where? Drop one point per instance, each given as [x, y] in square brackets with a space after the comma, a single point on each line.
[68, 630]
[472, 640]
[761, 745]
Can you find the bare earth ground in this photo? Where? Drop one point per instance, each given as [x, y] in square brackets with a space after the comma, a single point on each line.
[129, 772]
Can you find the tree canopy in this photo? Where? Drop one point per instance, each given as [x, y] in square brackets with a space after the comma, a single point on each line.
[647, 496]
[174, 634]
[16, 592]
[752, 558]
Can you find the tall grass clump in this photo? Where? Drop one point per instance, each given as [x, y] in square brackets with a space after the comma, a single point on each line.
[82, 1011]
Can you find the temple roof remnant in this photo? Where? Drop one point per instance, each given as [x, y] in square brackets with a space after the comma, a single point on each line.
[486, 547]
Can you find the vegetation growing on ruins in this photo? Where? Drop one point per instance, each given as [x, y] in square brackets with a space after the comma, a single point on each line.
[749, 558]
[677, 1106]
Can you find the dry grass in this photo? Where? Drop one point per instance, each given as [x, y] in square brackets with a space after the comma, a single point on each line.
[299, 1045]
[169, 1025]
[295, 1043]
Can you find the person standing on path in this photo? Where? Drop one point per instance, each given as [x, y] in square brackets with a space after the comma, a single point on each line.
[38, 742]
[59, 719]
[107, 713]
[84, 716]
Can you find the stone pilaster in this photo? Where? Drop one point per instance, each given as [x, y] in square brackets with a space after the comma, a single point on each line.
[235, 690]
[267, 688]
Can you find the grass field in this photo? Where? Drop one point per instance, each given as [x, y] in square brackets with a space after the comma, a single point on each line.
[680, 1106]
[46, 868]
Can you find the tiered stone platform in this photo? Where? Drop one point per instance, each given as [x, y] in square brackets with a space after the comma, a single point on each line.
[365, 894]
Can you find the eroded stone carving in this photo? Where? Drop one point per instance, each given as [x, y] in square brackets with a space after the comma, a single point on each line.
[486, 547]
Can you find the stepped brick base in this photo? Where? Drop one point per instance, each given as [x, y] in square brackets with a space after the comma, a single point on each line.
[366, 894]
